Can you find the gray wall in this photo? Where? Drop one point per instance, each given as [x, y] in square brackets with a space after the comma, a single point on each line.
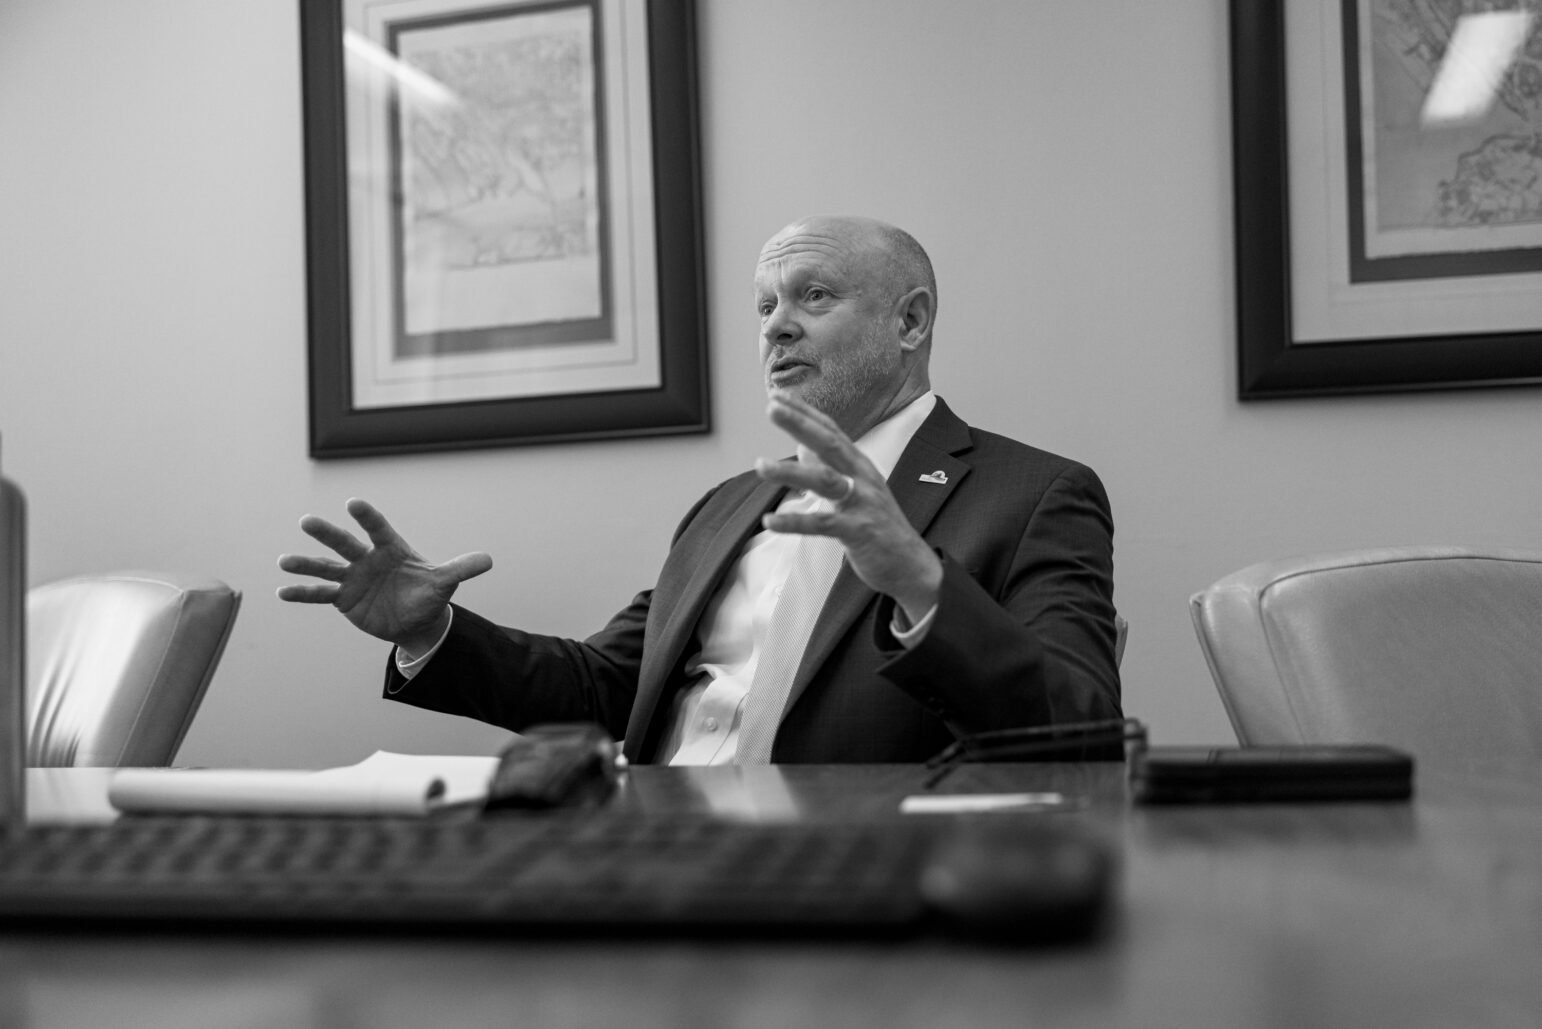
[1067, 164]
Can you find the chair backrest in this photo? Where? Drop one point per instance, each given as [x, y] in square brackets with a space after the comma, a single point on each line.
[1434, 649]
[117, 665]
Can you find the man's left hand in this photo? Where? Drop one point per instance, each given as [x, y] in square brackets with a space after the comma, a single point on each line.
[882, 547]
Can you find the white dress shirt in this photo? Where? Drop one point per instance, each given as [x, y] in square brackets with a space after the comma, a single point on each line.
[705, 715]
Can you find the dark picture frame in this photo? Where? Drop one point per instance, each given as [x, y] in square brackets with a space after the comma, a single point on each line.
[1271, 362]
[675, 401]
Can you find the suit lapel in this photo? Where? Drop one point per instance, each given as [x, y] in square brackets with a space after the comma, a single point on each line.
[663, 654]
[926, 475]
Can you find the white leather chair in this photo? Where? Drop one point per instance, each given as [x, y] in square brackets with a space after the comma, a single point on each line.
[117, 665]
[1437, 650]
[13, 639]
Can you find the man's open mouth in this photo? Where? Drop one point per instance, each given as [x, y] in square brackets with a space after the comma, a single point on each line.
[786, 366]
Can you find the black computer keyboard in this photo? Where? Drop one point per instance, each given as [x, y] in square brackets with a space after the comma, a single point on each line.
[573, 872]
[532, 871]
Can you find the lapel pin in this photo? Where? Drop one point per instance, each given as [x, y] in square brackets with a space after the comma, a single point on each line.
[940, 477]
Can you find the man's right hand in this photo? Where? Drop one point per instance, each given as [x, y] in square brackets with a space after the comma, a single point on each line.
[384, 588]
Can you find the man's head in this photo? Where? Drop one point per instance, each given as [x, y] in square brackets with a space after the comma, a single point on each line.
[846, 310]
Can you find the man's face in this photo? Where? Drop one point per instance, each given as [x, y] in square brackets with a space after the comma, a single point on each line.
[825, 332]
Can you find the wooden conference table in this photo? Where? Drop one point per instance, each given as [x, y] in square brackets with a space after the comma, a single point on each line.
[1405, 914]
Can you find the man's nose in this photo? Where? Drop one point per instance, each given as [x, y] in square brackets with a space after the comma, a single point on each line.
[781, 326]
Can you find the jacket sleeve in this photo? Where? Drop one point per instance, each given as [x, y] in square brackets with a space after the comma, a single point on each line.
[515, 679]
[1036, 645]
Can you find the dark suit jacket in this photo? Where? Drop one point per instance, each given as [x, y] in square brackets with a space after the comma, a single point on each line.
[1024, 631]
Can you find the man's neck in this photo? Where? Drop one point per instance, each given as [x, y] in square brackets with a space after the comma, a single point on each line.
[885, 442]
[906, 395]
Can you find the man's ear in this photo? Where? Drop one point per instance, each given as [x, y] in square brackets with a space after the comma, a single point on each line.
[915, 314]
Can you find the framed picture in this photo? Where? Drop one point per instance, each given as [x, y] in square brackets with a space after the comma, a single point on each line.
[1383, 242]
[503, 223]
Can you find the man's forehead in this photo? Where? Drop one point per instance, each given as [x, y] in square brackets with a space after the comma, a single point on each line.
[802, 248]
[794, 241]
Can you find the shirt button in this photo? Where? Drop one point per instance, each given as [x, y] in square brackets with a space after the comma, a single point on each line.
[710, 725]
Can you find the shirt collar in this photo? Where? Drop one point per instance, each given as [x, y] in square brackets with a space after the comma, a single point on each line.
[885, 442]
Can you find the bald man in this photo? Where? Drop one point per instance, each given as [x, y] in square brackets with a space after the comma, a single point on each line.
[948, 580]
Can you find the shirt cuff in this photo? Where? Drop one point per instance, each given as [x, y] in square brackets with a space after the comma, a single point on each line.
[910, 636]
[410, 666]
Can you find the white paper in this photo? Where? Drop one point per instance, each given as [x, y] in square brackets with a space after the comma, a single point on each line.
[948, 804]
[382, 784]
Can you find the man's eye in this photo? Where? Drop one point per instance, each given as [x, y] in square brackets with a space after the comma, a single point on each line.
[765, 309]
[818, 293]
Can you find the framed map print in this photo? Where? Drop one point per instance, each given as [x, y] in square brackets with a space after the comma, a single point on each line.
[1387, 164]
[503, 222]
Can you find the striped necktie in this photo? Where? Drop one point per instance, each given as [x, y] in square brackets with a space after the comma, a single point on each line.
[815, 562]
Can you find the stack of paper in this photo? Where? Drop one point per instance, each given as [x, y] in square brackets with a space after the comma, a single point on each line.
[382, 784]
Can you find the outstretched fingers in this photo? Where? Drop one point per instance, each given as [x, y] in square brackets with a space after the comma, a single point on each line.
[467, 566]
[829, 463]
[381, 534]
[809, 523]
[310, 593]
[821, 479]
[339, 540]
[816, 431]
[316, 567]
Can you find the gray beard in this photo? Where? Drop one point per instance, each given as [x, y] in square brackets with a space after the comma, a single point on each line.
[843, 385]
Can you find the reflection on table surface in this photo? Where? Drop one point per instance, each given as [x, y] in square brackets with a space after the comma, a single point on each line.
[1426, 913]
[862, 791]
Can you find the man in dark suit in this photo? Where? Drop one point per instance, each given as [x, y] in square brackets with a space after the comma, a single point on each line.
[962, 582]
